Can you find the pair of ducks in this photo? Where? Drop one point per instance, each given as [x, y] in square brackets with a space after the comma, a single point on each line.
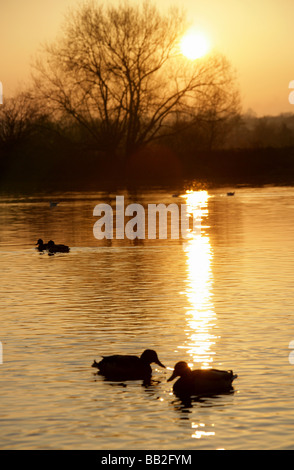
[51, 247]
[191, 382]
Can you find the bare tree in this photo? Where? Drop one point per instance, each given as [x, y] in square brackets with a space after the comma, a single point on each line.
[219, 108]
[18, 116]
[118, 71]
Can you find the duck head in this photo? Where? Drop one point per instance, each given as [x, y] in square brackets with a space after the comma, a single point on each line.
[50, 244]
[149, 356]
[40, 242]
[181, 369]
[95, 364]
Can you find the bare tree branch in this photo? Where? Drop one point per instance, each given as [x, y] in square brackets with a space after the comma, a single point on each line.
[119, 73]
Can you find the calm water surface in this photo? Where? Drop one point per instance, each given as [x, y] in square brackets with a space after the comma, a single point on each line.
[222, 298]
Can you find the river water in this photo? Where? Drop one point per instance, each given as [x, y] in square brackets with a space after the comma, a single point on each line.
[222, 297]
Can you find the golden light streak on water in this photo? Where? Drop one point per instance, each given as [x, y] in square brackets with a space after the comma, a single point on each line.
[201, 318]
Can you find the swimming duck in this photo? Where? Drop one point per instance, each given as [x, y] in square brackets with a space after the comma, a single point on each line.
[52, 248]
[230, 194]
[201, 381]
[41, 246]
[120, 367]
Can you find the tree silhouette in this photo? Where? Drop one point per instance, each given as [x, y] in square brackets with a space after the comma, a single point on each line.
[119, 72]
[18, 117]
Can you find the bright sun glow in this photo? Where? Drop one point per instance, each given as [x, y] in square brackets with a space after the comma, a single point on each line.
[194, 45]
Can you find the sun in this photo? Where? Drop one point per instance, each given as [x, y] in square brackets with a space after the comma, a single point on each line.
[194, 45]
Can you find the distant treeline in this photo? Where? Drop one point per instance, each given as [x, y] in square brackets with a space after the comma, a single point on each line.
[39, 154]
[113, 102]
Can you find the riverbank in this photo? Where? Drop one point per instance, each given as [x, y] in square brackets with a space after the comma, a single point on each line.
[77, 170]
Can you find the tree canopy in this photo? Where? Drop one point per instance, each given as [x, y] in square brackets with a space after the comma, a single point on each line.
[118, 71]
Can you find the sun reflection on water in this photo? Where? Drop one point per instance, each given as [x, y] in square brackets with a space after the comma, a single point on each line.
[199, 433]
[201, 318]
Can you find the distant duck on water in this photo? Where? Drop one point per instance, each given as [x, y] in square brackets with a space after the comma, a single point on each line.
[41, 246]
[230, 194]
[201, 381]
[120, 367]
[51, 247]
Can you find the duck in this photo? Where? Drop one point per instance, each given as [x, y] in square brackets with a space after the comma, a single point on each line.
[230, 194]
[41, 246]
[201, 381]
[124, 367]
[52, 248]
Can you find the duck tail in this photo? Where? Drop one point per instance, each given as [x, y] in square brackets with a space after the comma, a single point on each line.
[233, 376]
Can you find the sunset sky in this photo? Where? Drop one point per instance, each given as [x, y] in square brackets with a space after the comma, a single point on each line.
[256, 36]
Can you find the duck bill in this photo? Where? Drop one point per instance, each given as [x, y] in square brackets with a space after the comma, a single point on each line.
[160, 364]
[172, 377]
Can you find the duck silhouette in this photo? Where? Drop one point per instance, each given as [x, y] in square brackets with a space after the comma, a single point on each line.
[201, 381]
[124, 367]
[53, 248]
[41, 246]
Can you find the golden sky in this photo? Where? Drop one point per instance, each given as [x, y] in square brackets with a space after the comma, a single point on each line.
[255, 35]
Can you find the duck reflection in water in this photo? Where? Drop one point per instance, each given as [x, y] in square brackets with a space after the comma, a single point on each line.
[127, 367]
